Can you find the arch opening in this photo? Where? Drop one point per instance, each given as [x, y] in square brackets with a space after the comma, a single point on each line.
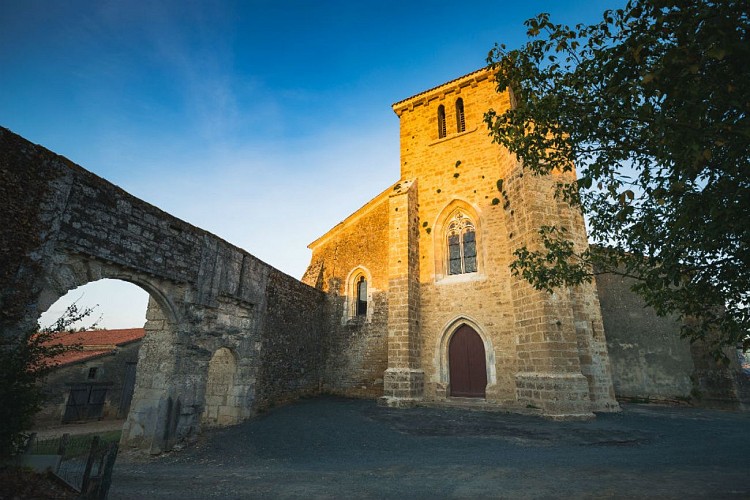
[457, 243]
[155, 362]
[98, 381]
[114, 303]
[358, 292]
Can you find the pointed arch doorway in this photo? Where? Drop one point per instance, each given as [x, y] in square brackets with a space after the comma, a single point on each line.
[467, 364]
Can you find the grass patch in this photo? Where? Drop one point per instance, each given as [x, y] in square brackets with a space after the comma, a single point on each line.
[77, 446]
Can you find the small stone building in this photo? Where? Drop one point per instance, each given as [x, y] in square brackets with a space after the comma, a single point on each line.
[95, 382]
[425, 306]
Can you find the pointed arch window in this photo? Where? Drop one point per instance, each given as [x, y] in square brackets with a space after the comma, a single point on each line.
[460, 119]
[441, 122]
[462, 245]
[358, 306]
[361, 305]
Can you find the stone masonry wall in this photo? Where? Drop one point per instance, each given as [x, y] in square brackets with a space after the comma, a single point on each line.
[649, 359]
[539, 344]
[292, 355]
[460, 171]
[356, 347]
[67, 227]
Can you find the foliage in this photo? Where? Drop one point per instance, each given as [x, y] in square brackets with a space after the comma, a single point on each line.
[22, 483]
[24, 360]
[652, 105]
[77, 445]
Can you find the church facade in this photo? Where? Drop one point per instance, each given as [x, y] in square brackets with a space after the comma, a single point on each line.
[423, 305]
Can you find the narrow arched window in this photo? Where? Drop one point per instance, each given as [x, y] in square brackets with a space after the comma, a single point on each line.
[361, 307]
[441, 121]
[462, 245]
[460, 120]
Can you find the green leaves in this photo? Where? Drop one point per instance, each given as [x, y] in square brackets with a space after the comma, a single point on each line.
[24, 360]
[651, 105]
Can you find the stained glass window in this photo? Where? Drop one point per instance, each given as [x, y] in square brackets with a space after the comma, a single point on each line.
[462, 245]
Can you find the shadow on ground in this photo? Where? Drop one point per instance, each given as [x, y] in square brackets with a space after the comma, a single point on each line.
[338, 448]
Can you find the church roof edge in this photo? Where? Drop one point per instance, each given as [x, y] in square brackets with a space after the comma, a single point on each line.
[484, 69]
[354, 215]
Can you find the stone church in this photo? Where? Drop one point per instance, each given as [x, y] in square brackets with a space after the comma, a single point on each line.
[409, 300]
[426, 307]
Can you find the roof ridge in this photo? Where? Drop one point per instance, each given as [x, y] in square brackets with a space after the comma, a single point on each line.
[484, 68]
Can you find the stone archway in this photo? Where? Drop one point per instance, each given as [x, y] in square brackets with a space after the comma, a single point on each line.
[442, 354]
[153, 422]
[66, 227]
[220, 406]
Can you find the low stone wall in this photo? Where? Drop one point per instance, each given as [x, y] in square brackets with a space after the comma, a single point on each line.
[651, 362]
[649, 359]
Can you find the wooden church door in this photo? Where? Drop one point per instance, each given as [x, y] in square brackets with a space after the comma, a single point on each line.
[467, 365]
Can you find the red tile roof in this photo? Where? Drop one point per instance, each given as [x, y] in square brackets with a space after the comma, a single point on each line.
[94, 343]
[71, 357]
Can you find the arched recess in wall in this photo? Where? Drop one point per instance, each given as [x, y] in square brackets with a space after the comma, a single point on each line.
[221, 406]
[442, 360]
[458, 218]
[358, 292]
[94, 282]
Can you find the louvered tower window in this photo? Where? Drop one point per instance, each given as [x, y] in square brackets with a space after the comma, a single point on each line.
[460, 120]
[441, 121]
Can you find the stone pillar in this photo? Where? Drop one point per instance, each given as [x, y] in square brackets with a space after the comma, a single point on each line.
[404, 378]
[163, 410]
[592, 347]
[549, 373]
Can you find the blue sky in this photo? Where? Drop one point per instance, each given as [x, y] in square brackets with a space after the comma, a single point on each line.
[264, 122]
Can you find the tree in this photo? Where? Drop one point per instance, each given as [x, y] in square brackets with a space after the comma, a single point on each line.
[24, 360]
[652, 105]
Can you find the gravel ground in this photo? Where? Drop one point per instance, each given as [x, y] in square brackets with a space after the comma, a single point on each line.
[337, 448]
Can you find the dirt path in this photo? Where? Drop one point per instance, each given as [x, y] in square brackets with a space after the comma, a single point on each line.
[97, 426]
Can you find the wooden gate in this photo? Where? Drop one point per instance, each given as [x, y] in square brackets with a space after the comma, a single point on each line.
[467, 365]
[85, 402]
